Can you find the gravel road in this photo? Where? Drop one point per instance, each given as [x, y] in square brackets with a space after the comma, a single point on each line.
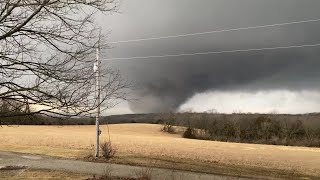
[52, 163]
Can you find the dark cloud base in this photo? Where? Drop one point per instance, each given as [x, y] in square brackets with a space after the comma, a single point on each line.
[163, 84]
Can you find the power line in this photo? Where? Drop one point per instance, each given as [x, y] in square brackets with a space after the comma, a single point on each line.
[215, 31]
[22, 74]
[217, 52]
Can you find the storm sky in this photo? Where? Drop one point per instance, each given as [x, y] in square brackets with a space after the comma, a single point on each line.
[284, 81]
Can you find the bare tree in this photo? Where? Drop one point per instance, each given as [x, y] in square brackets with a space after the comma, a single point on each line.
[47, 52]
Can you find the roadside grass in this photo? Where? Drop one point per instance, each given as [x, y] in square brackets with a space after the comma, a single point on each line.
[45, 150]
[40, 174]
[208, 167]
[163, 150]
[43, 174]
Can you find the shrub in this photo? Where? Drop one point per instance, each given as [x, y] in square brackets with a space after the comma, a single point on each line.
[144, 174]
[169, 123]
[107, 150]
[168, 128]
[189, 133]
[106, 176]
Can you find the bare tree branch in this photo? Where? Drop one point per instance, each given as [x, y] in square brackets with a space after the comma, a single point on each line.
[46, 57]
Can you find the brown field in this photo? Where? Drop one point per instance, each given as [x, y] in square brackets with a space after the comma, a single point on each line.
[146, 141]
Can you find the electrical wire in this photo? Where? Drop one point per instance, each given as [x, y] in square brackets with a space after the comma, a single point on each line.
[215, 31]
[215, 52]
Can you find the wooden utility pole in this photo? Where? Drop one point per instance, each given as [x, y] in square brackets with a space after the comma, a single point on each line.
[97, 74]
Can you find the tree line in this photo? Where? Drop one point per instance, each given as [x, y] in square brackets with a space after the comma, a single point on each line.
[289, 130]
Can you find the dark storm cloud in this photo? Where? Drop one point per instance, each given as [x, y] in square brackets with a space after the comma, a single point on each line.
[163, 84]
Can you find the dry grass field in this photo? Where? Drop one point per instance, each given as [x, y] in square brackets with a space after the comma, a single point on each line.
[146, 141]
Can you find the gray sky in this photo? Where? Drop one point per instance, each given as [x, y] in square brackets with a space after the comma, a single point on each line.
[226, 82]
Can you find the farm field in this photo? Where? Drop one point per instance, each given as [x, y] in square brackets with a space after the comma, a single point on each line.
[146, 144]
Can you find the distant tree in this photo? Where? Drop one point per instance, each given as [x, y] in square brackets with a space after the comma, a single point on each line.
[12, 109]
[170, 122]
[47, 52]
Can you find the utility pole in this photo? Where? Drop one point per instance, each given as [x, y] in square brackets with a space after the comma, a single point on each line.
[97, 74]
